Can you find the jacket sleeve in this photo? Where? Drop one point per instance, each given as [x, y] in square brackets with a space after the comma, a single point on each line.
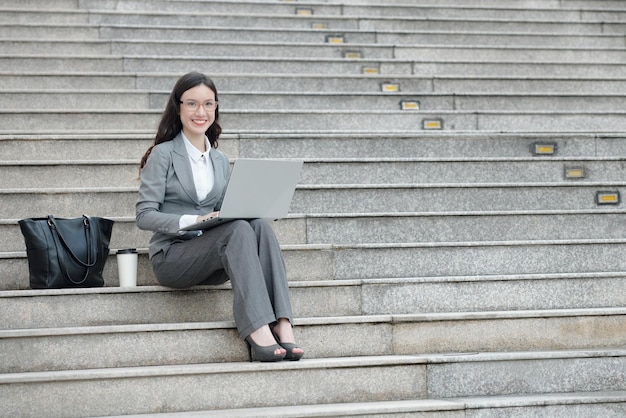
[152, 195]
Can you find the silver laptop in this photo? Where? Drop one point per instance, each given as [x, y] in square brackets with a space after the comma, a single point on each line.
[256, 189]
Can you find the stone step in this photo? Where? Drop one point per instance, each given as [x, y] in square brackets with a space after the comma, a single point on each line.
[513, 84]
[73, 80]
[332, 380]
[461, 227]
[505, 293]
[506, 54]
[396, 260]
[469, 171]
[49, 31]
[333, 120]
[492, 25]
[216, 7]
[78, 82]
[160, 305]
[319, 49]
[509, 69]
[584, 4]
[36, 4]
[278, 65]
[341, 199]
[203, 342]
[142, 100]
[124, 173]
[198, 48]
[399, 227]
[244, 34]
[425, 145]
[118, 146]
[70, 174]
[606, 404]
[501, 6]
[373, 10]
[489, 38]
[440, 19]
[436, 53]
[526, 257]
[149, 304]
[437, 145]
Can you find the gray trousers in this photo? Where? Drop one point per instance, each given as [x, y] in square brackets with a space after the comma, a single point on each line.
[247, 253]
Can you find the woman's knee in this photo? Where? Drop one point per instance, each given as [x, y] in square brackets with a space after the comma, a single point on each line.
[261, 227]
[242, 229]
[241, 225]
[255, 231]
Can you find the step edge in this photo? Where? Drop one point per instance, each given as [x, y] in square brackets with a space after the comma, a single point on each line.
[415, 405]
[390, 319]
[307, 364]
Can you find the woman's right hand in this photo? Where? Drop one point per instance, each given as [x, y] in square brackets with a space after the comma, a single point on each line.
[207, 217]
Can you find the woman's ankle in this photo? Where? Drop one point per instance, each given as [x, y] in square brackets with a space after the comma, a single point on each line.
[284, 331]
[263, 336]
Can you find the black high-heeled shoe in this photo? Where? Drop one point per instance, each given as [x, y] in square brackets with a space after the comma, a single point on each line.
[264, 354]
[289, 347]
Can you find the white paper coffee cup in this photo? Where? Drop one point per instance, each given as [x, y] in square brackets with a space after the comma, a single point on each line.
[127, 267]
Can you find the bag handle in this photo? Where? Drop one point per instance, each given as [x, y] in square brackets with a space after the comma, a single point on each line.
[60, 241]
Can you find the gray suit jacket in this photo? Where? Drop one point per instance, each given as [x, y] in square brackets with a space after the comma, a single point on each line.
[167, 191]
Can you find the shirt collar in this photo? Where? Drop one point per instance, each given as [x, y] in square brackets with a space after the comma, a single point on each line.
[194, 153]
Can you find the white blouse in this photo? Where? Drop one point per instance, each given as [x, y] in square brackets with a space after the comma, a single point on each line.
[203, 175]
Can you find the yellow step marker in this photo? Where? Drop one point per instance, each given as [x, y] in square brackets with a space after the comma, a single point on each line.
[575, 172]
[432, 124]
[544, 148]
[304, 12]
[352, 54]
[390, 87]
[335, 39]
[607, 198]
[410, 105]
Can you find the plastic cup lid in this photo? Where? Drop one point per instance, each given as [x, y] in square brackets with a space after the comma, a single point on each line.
[127, 251]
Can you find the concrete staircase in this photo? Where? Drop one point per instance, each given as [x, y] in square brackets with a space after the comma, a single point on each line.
[456, 243]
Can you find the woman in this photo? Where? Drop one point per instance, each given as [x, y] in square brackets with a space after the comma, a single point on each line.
[183, 177]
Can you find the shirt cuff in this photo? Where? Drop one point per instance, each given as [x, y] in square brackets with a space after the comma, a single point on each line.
[187, 220]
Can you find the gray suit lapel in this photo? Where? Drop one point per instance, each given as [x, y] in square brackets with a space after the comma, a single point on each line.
[182, 167]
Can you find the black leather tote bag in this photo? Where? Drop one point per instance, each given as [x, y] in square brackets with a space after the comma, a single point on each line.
[66, 252]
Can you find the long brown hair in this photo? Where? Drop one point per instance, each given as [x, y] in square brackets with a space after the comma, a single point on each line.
[170, 124]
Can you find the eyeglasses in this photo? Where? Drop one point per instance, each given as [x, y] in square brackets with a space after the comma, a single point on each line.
[192, 105]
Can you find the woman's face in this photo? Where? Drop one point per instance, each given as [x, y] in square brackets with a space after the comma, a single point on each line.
[197, 111]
